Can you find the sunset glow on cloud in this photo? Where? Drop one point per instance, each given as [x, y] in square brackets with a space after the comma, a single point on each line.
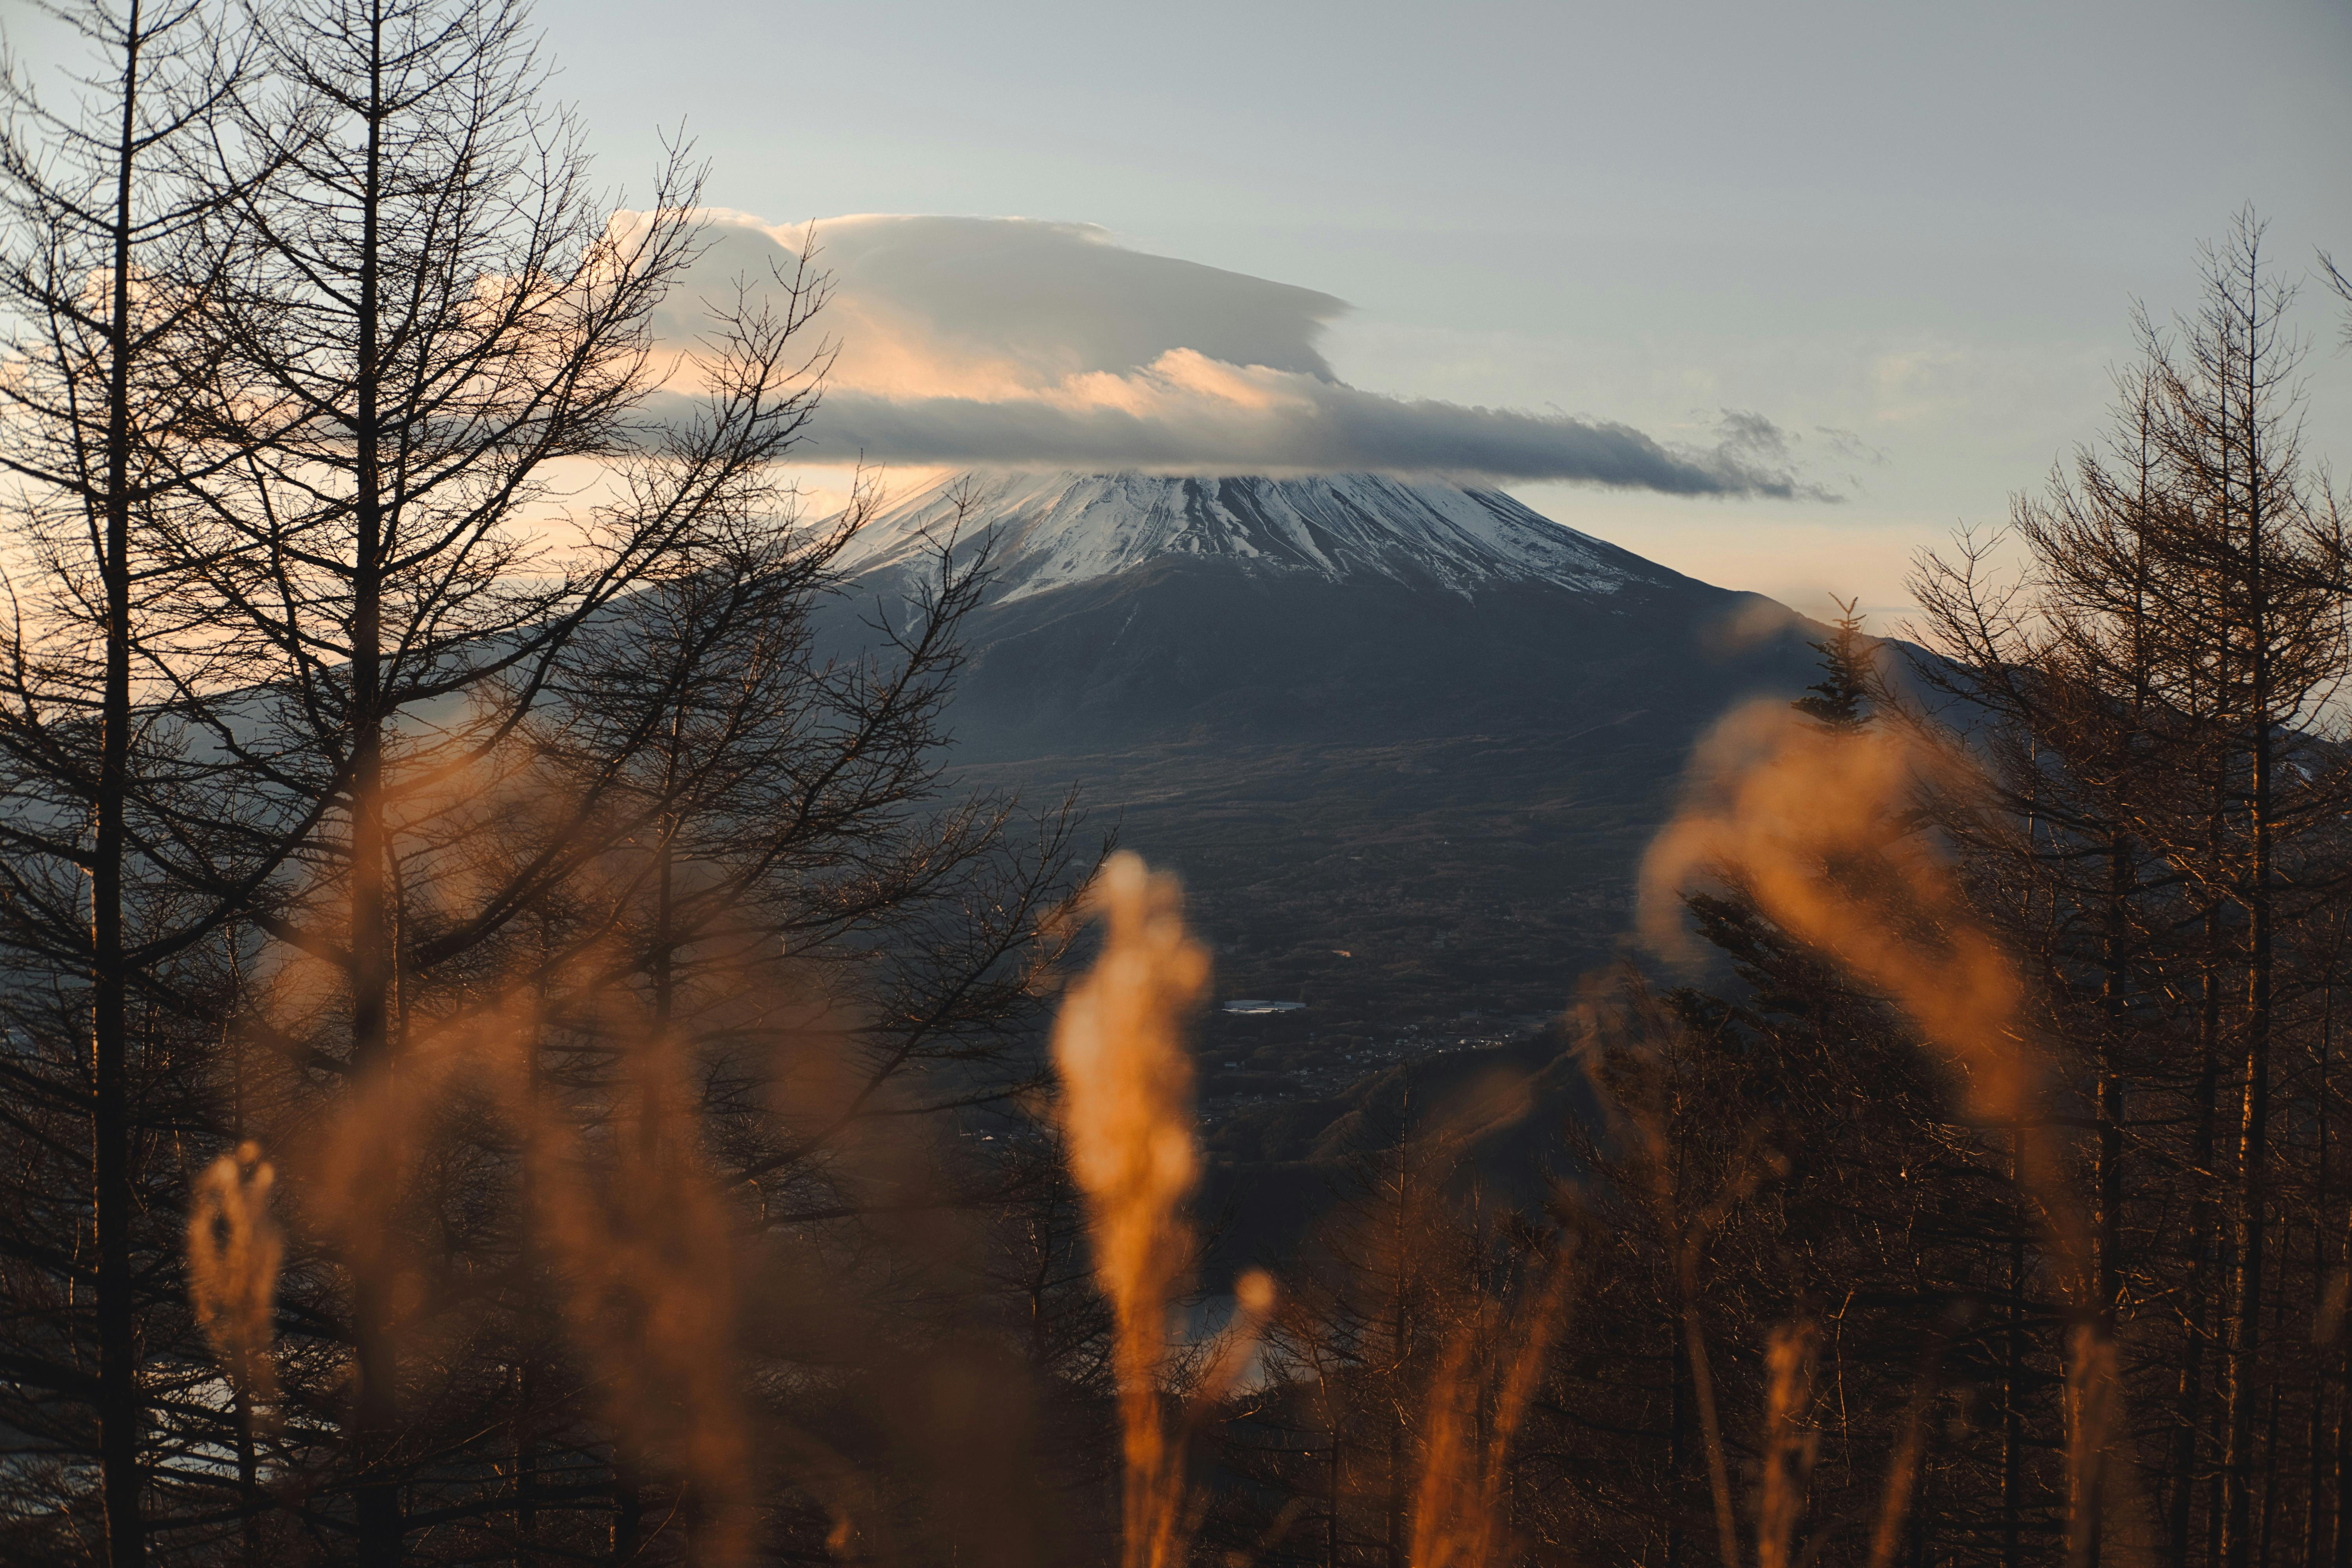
[1012, 341]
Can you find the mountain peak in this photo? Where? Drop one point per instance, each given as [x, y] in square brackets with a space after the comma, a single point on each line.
[1053, 530]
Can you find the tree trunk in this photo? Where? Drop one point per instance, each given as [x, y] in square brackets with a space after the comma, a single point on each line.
[1677, 1441]
[2109, 1285]
[2316, 1480]
[2190, 1410]
[1331, 1488]
[121, 1412]
[628, 1517]
[373, 962]
[2253, 1171]
[2341, 1545]
[2013, 1425]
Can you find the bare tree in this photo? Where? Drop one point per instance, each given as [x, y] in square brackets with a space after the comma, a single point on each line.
[2157, 697]
[95, 283]
[429, 462]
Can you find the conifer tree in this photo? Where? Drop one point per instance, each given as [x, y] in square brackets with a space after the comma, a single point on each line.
[1839, 696]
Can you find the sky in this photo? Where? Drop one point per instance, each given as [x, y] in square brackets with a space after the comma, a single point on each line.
[1778, 296]
[1909, 236]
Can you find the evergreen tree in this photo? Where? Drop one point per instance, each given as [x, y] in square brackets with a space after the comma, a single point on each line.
[1841, 695]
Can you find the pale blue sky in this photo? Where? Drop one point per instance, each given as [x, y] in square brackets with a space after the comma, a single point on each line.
[1922, 223]
[1921, 226]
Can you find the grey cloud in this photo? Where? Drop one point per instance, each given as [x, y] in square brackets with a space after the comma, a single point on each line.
[1747, 435]
[1849, 444]
[1013, 341]
[1339, 428]
[1016, 281]
[1057, 298]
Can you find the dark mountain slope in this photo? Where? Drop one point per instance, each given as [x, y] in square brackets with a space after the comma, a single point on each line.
[1404, 742]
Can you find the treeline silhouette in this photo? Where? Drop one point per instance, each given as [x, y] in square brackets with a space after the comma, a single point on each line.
[513, 1054]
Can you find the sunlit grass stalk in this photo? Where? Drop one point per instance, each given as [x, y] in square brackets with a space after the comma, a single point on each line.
[1820, 828]
[1458, 1506]
[1791, 1441]
[1900, 1494]
[1126, 1118]
[234, 1250]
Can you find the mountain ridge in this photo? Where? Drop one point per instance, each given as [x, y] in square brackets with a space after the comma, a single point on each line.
[1127, 609]
[1058, 530]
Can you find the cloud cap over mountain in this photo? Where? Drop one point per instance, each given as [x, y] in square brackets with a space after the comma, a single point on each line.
[977, 341]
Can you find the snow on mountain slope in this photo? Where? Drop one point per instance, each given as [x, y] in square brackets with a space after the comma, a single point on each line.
[1050, 531]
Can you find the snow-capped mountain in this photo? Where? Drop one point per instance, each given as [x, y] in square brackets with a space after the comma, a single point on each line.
[1056, 530]
[1404, 739]
[1130, 608]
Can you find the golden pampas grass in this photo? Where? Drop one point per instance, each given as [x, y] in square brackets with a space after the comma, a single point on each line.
[1816, 825]
[1127, 1121]
[1819, 827]
[234, 1252]
[1470, 1419]
[644, 1255]
[1791, 1441]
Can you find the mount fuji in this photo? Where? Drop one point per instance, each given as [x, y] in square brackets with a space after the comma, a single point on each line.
[1056, 530]
[1405, 739]
[1127, 609]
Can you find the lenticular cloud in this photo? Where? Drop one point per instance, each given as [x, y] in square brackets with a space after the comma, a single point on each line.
[976, 341]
